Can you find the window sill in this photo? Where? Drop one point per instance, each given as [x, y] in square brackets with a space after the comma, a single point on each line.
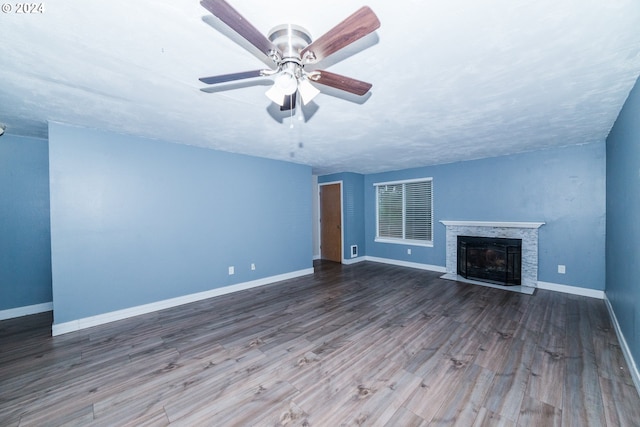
[404, 242]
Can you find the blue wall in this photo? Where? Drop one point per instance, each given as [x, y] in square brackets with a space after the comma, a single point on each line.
[564, 187]
[135, 221]
[25, 245]
[623, 220]
[353, 210]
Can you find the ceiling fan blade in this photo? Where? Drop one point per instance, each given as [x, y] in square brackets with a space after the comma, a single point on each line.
[240, 25]
[356, 26]
[341, 82]
[231, 77]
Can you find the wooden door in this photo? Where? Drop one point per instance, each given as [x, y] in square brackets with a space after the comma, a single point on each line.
[330, 222]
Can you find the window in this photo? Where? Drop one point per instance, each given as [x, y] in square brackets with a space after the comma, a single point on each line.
[404, 212]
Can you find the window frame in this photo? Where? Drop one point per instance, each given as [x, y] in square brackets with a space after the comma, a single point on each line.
[403, 240]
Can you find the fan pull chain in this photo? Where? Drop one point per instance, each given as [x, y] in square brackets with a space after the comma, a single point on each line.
[291, 118]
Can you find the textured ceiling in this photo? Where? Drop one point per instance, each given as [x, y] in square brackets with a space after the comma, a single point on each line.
[452, 80]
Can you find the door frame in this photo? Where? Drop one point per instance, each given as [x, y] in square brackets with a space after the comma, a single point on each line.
[320, 184]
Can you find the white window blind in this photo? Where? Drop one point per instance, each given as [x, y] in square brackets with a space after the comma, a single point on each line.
[390, 211]
[404, 211]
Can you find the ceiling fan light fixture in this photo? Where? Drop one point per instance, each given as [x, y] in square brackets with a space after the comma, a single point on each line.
[307, 91]
[285, 84]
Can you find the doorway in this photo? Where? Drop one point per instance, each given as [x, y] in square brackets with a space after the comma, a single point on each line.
[331, 221]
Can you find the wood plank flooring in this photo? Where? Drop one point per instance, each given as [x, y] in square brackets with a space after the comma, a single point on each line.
[366, 344]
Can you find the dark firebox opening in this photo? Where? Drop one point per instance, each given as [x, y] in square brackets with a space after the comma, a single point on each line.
[490, 259]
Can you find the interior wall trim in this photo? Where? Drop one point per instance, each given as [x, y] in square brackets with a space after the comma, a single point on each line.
[575, 290]
[26, 310]
[633, 368]
[100, 319]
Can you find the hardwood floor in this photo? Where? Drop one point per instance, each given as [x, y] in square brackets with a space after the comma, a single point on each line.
[366, 344]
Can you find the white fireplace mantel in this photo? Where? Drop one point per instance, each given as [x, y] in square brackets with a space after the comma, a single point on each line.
[494, 224]
[527, 231]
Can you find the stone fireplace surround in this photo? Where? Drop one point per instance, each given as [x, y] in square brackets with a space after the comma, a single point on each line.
[527, 231]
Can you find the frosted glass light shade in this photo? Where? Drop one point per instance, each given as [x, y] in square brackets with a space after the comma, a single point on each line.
[287, 83]
[276, 95]
[307, 91]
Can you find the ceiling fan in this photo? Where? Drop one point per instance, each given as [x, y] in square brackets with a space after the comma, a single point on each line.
[291, 48]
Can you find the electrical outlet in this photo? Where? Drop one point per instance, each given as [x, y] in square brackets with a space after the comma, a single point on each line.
[231, 270]
[562, 269]
[408, 251]
[253, 266]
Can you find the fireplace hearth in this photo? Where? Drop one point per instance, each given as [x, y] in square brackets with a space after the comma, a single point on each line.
[490, 259]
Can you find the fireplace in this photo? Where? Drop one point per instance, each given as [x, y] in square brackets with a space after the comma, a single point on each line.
[525, 231]
[490, 259]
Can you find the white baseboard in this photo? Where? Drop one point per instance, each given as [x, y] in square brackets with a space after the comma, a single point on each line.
[349, 261]
[436, 268]
[26, 310]
[100, 319]
[575, 290]
[633, 368]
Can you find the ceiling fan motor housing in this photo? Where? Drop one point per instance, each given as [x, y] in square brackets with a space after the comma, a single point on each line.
[290, 40]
